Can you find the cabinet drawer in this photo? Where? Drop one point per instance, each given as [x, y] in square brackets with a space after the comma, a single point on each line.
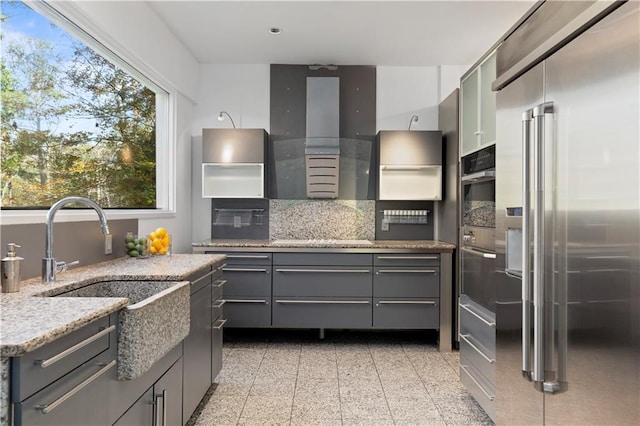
[406, 313]
[320, 259]
[482, 391]
[201, 279]
[247, 281]
[322, 281]
[406, 259]
[247, 311]
[35, 370]
[478, 356]
[406, 282]
[242, 258]
[314, 312]
[216, 347]
[217, 309]
[80, 396]
[480, 325]
[217, 288]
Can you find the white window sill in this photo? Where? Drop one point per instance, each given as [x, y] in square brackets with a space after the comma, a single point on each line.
[20, 217]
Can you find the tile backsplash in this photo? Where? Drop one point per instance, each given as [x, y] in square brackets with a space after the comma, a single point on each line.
[322, 219]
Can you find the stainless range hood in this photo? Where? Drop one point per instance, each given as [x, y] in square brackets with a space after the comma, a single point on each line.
[322, 146]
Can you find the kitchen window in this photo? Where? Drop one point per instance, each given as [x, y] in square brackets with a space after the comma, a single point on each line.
[77, 119]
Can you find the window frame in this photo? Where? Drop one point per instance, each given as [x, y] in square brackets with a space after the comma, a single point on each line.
[68, 18]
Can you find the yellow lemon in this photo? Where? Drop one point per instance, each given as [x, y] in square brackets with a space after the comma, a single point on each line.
[157, 243]
[152, 235]
[163, 250]
[153, 250]
[165, 240]
[161, 232]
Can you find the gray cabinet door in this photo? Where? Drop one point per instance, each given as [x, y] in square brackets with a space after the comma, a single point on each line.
[322, 259]
[248, 258]
[70, 400]
[406, 313]
[247, 280]
[406, 282]
[248, 145]
[140, 413]
[197, 352]
[406, 259]
[29, 375]
[315, 312]
[322, 281]
[247, 311]
[418, 147]
[216, 347]
[168, 396]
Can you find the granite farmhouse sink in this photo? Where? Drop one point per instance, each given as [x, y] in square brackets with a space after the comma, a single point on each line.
[154, 322]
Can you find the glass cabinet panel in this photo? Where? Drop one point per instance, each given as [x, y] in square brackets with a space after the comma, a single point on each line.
[232, 180]
[487, 102]
[470, 117]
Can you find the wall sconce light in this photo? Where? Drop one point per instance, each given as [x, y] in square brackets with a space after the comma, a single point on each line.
[414, 119]
[221, 117]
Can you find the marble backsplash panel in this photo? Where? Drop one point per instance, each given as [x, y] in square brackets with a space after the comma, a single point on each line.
[322, 219]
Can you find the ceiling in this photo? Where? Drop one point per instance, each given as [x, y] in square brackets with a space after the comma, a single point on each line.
[402, 33]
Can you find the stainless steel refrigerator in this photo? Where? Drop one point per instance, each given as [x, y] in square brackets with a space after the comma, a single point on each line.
[568, 217]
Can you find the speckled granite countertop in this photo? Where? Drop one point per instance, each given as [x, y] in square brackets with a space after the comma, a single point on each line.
[353, 246]
[29, 321]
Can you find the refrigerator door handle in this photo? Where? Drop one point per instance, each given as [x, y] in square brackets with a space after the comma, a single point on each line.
[526, 245]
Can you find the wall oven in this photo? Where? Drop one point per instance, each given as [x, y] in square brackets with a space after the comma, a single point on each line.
[478, 227]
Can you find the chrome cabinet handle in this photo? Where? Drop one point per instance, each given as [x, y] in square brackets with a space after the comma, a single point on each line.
[219, 304]
[222, 282]
[488, 395]
[47, 362]
[218, 324]
[408, 257]
[472, 312]
[245, 270]
[329, 271]
[526, 244]
[406, 271]
[465, 337]
[245, 301]
[478, 253]
[406, 302]
[246, 256]
[324, 302]
[205, 276]
[47, 408]
[163, 414]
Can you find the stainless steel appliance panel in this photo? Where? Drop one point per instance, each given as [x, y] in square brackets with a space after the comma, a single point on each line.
[594, 85]
[517, 402]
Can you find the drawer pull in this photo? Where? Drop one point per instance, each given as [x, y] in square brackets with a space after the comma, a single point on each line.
[218, 324]
[246, 256]
[406, 302]
[408, 257]
[47, 408]
[204, 277]
[222, 282]
[44, 363]
[244, 301]
[329, 271]
[245, 270]
[407, 271]
[324, 302]
[466, 308]
[491, 397]
[465, 337]
[219, 304]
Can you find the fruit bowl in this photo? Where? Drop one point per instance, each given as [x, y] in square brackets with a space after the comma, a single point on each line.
[159, 242]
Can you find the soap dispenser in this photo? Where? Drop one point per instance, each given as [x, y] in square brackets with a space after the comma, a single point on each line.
[11, 270]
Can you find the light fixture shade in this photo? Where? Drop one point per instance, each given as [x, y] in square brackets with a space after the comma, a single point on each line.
[221, 117]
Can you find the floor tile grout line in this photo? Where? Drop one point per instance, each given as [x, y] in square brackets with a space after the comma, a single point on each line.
[380, 380]
[295, 388]
[251, 386]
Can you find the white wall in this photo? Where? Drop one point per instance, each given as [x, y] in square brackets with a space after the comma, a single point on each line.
[450, 79]
[404, 91]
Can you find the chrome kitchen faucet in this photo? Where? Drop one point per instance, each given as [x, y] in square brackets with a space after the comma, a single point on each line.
[49, 265]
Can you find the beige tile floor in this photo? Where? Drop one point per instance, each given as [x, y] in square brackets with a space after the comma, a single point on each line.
[349, 378]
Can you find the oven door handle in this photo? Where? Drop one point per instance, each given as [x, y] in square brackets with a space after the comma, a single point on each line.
[479, 253]
[479, 176]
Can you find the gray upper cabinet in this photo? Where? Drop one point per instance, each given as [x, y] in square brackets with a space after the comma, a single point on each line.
[410, 165]
[478, 109]
[234, 163]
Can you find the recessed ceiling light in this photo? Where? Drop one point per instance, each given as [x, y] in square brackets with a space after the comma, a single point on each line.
[275, 30]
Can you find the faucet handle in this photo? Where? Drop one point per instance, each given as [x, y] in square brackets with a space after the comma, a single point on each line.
[63, 266]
